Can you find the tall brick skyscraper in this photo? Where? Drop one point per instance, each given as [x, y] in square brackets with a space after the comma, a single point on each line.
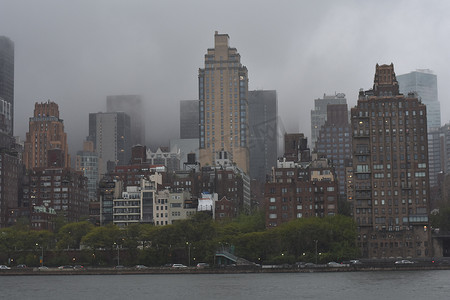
[223, 95]
[390, 167]
[46, 141]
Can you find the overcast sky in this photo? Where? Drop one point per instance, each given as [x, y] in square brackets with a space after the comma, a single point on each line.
[75, 53]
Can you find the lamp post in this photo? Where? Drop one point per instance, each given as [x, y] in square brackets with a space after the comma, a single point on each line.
[42, 254]
[189, 253]
[316, 249]
[118, 254]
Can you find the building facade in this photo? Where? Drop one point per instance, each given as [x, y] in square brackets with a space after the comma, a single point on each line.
[319, 113]
[111, 135]
[9, 184]
[300, 190]
[87, 164]
[133, 106]
[390, 170]
[223, 104]
[264, 135]
[335, 142]
[7, 85]
[296, 147]
[424, 83]
[163, 156]
[189, 119]
[61, 189]
[45, 134]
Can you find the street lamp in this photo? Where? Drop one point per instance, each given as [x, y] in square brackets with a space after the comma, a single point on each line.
[316, 249]
[118, 254]
[189, 253]
[42, 254]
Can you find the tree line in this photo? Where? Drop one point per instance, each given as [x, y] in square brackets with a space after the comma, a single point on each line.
[188, 241]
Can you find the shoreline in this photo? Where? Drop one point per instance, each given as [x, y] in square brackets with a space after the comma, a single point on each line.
[234, 270]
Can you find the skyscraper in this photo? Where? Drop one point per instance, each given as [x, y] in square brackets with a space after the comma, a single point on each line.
[87, 163]
[424, 83]
[390, 168]
[319, 113]
[223, 94]
[263, 126]
[46, 141]
[189, 119]
[133, 106]
[335, 141]
[110, 133]
[6, 85]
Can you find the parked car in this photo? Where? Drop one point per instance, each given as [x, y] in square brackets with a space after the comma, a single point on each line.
[43, 268]
[118, 267]
[140, 267]
[403, 261]
[67, 267]
[178, 266]
[78, 267]
[3, 267]
[21, 266]
[202, 265]
[334, 264]
[310, 265]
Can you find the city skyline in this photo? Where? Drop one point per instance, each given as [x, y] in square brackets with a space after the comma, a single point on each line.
[320, 48]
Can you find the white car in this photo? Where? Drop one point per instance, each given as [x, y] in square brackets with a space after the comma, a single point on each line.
[334, 264]
[3, 267]
[403, 261]
[178, 266]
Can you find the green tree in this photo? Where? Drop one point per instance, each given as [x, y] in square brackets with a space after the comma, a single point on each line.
[70, 235]
[105, 237]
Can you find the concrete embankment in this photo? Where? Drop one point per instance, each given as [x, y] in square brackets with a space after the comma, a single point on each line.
[230, 270]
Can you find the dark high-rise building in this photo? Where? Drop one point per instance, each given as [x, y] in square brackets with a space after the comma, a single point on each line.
[9, 181]
[390, 170]
[10, 158]
[319, 113]
[110, 133]
[189, 119]
[296, 147]
[335, 141]
[6, 85]
[223, 107]
[133, 106]
[263, 127]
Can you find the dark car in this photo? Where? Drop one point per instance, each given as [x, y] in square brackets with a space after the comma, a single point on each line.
[66, 267]
[21, 266]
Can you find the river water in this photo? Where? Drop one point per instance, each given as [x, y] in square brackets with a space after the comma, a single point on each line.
[336, 285]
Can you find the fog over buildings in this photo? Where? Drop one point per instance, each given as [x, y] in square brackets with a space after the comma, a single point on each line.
[76, 53]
